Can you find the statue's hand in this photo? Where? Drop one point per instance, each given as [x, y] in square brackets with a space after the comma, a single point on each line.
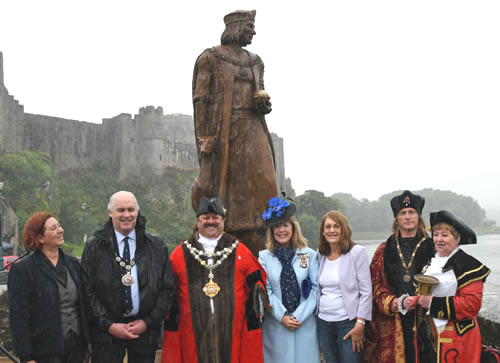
[207, 144]
[262, 103]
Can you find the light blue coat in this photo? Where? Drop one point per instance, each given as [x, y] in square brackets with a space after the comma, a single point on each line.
[280, 344]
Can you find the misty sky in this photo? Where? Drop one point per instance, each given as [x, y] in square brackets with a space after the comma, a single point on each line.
[369, 96]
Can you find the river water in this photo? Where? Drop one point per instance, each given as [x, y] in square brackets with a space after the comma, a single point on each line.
[487, 250]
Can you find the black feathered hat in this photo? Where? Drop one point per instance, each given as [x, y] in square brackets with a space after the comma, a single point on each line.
[210, 205]
[278, 210]
[407, 200]
[467, 235]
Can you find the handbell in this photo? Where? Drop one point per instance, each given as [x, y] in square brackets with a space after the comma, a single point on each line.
[425, 284]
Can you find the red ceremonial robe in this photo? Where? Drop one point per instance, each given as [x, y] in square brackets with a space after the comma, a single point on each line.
[233, 332]
[462, 342]
[385, 341]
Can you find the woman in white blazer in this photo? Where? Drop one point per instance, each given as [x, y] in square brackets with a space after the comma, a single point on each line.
[289, 332]
[344, 301]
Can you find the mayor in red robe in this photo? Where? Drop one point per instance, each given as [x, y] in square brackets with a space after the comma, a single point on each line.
[219, 285]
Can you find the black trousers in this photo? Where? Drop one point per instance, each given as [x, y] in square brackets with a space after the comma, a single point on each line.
[75, 350]
[115, 352]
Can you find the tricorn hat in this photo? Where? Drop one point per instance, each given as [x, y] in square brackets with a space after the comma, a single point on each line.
[210, 205]
[467, 235]
[239, 15]
[407, 200]
[278, 210]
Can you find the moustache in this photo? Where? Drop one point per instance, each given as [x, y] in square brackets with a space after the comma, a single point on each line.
[208, 225]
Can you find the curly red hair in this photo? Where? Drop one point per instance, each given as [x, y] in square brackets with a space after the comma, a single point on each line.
[34, 228]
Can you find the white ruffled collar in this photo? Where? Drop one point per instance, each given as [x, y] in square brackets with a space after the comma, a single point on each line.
[438, 262]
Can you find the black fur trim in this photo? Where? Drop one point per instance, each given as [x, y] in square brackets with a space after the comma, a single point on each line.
[443, 308]
[213, 332]
[172, 320]
[466, 268]
[253, 322]
[394, 270]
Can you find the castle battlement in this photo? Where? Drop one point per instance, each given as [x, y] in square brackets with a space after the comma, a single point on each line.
[151, 110]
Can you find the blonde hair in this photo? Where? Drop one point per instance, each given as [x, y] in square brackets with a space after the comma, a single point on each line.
[346, 241]
[298, 240]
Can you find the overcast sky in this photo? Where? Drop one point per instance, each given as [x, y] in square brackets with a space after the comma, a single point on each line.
[369, 96]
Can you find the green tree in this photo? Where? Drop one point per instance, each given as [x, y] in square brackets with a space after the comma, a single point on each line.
[316, 204]
[310, 229]
[30, 184]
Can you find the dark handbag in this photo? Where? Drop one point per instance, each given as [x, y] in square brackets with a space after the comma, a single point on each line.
[490, 355]
[306, 287]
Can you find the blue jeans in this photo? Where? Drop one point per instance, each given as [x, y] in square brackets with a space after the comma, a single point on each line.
[332, 344]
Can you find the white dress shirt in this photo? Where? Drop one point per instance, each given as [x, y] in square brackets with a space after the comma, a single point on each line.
[209, 247]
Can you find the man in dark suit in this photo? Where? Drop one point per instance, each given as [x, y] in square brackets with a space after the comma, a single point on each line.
[128, 284]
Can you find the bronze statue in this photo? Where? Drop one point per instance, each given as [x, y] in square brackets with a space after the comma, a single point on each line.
[235, 149]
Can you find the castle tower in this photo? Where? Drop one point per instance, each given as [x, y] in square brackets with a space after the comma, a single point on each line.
[151, 130]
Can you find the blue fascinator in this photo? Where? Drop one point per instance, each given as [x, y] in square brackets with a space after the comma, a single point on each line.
[278, 210]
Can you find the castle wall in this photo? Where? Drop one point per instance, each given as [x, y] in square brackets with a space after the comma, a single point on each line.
[70, 143]
[11, 122]
[150, 143]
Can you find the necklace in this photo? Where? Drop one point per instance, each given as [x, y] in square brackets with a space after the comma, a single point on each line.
[211, 289]
[127, 279]
[229, 59]
[407, 277]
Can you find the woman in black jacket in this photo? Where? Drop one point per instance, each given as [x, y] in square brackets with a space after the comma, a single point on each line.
[47, 316]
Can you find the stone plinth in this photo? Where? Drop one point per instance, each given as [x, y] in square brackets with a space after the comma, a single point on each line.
[489, 316]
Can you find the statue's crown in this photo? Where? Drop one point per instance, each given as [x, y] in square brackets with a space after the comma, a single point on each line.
[239, 15]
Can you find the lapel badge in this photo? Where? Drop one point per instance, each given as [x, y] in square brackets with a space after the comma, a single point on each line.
[304, 258]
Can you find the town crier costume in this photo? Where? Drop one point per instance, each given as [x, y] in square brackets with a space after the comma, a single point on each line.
[452, 333]
[220, 287]
[391, 335]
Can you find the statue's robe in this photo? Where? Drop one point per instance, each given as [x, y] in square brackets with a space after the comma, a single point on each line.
[224, 89]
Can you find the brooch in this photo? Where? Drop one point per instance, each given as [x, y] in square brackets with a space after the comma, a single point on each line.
[304, 258]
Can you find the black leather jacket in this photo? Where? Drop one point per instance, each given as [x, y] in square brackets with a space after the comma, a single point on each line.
[101, 277]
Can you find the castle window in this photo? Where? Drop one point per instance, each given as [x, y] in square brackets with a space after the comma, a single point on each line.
[160, 157]
[132, 139]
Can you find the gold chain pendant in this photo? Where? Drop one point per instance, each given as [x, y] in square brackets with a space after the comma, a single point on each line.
[211, 289]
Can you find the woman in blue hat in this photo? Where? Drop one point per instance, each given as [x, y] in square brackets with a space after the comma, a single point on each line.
[289, 332]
